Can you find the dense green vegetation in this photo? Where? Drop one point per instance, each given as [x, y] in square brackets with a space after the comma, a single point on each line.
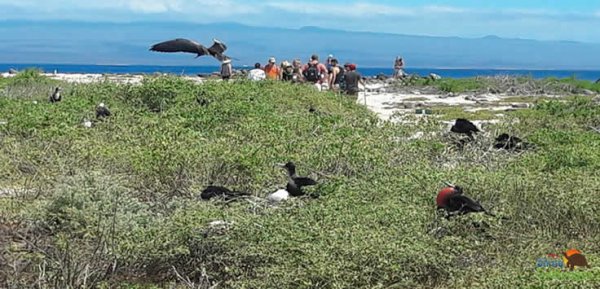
[116, 205]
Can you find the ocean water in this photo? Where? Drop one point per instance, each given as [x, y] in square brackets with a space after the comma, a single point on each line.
[591, 75]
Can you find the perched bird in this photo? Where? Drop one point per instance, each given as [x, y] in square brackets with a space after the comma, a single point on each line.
[56, 97]
[452, 200]
[278, 196]
[190, 46]
[295, 183]
[508, 142]
[464, 126]
[102, 111]
[218, 191]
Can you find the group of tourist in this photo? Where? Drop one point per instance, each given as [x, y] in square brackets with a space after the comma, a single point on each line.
[329, 76]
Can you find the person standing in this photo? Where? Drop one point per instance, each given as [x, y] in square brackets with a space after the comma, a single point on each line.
[315, 72]
[272, 70]
[226, 69]
[297, 77]
[328, 63]
[336, 75]
[399, 67]
[287, 71]
[257, 73]
[352, 79]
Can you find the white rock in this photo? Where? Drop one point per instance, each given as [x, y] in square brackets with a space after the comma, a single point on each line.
[434, 76]
[219, 223]
[587, 92]
[417, 135]
[520, 105]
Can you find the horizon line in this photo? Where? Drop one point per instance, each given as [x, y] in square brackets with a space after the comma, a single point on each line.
[368, 67]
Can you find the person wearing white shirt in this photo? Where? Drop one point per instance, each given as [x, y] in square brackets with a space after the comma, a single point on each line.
[257, 73]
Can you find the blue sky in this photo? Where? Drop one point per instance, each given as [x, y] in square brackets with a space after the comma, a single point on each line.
[536, 19]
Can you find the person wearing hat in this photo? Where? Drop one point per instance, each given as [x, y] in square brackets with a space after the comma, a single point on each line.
[328, 63]
[287, 71]
[352, 79]
[272, 70]
[226, 69]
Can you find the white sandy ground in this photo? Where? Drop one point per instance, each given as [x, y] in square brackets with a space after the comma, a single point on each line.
[96, 77]
[13, 191]
[387, 104]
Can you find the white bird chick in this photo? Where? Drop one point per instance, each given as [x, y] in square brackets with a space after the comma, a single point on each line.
[278, 196]
[87, 123]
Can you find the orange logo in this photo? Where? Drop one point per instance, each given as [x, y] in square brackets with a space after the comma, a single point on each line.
[574, 257]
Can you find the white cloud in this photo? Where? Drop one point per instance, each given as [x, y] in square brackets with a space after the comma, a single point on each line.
[444, 9]
[150, 6]
[190, 7]
[532, 12]
[222, 7]
[356, 9]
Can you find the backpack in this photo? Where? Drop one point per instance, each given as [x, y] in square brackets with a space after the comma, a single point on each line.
[339, 78]
[312, 72]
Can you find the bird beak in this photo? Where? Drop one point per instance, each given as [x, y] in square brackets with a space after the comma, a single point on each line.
[280, 165]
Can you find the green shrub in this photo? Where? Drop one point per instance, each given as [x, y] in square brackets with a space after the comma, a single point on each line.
[116, 205]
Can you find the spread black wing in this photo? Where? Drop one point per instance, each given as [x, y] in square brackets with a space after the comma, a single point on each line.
[217, 48]
[217, 51]
[180, 45]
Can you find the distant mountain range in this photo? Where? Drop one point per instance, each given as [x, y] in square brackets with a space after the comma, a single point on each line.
[128, 43]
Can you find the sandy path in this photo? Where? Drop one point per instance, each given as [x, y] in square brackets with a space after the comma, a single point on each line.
[386, 104]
